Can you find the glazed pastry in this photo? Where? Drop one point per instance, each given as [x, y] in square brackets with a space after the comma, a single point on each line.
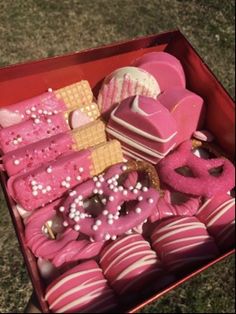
[64, 99]
[129, 264]
[166, 69]
[202, 181]
[33, 155]
[218, 214]
[51, 180]
[125, 82]
[45, 126]
[186, 108]
[110, 221]
[144, 127]
[82, 289]
[182, 243]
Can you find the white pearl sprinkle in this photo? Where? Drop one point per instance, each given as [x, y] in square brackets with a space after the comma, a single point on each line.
[111, 198]
[95, 191]
[125, 192]
[117, 176]
[104, 201]
[45, 112]
[49, 89]
[81, 169]
[67, 185]
[40, 187]
[40, 111]
[140, 198]
[110, 221]
[48, 188]
[44, 191]
[49, 170]
[80, 197]
[77, 213]
[65, 224]
[82, 216]
[33, 182]
[71, 215]
[98, 222]
[16, 162]
[78, 178]
[73, 193]
[15, 142]
[62, 209]
[20, 140]
[138, 210]
[144, 189]
[55, 112]
[110, 216]
[150, 200]
[72, 209]
[77, 227]
[124, 168]
[111, 186]
[109, 181]
[107, 236]
[135, 191]
[98, 184]
[114, 237]
[76, 219]
[73, 205]
[101, 179]
[33, 109]
[81, 203]
[105, 212]
[120, 188]
[95, 179]
[28, 111]
[33, 116]
[115, 190]
[36, 121]
[49, 121]
[95, 227]
[100, 192]
[35, 188]
[63, 183]
[118, 207]
[35, 193]
[68, 179]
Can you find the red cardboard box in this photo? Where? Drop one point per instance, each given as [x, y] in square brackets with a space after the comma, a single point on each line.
[22, 81]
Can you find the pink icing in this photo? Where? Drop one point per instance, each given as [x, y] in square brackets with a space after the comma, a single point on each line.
[183, 243]
[186, 108]
[82, 288]
[129, 263]
[37, 241]
[35, 154]
[202, 183]
[31, 131]
[50, 181]
[144, 125]
[109, 223]
[23, 110]
[218, 214]
[166, 68]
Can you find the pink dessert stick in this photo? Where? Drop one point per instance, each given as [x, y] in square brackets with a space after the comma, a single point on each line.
[218, 214]
[166, 69]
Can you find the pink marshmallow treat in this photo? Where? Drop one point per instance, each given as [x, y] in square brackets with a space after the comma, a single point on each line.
[125, 82]
[186, 108]
[81, 289]
[218, 214]
[144, 127]
[201, 182]
[129, 264]
[166, 69]
[183, 243]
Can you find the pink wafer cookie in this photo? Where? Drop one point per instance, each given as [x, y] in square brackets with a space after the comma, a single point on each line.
[201, 182]
[129, 264]
[218, 214]
[125, 82]
[166, 69]
[81, 289]
[183, 243]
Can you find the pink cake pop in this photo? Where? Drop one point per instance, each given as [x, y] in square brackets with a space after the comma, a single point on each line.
[129, 264]
[125, 82]
[202, 182]
[166, 69]
[81, 289]
[144, 127]
[109, 222]
[218, 214]
[183, 243]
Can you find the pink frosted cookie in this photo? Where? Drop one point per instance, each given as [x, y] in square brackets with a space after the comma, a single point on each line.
[33, 155]
[111, 219]
[186, 108]
[125, 82]
[183, 243]
[81, 289]
[129, 264]
[166, 69]
[218, 214]
[144, 127]
[50, 103]
[203, 179]
[51, 180]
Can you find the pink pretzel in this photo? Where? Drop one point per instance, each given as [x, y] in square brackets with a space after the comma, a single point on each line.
[202, 183]
[109, 223]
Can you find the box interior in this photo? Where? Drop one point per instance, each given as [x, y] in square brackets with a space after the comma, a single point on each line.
[23, 81]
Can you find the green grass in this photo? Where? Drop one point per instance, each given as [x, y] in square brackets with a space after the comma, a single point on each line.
[33, 29]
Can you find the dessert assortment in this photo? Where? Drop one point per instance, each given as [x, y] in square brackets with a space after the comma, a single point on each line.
[120, 194]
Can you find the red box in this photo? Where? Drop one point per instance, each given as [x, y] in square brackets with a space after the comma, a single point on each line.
[22, 81]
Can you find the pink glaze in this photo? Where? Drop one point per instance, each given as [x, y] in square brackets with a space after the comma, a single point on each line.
[33, 155]
[109, 223]
[144, 126]
[81, 289]
[31, 131]
[166, 208]
[23, 110]
[183, 243]
[186, 108]
[41, 245]
[202, 183]
[218, 214]
[166, 69]
[125, 82]
[50, 181]
[129, 264]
